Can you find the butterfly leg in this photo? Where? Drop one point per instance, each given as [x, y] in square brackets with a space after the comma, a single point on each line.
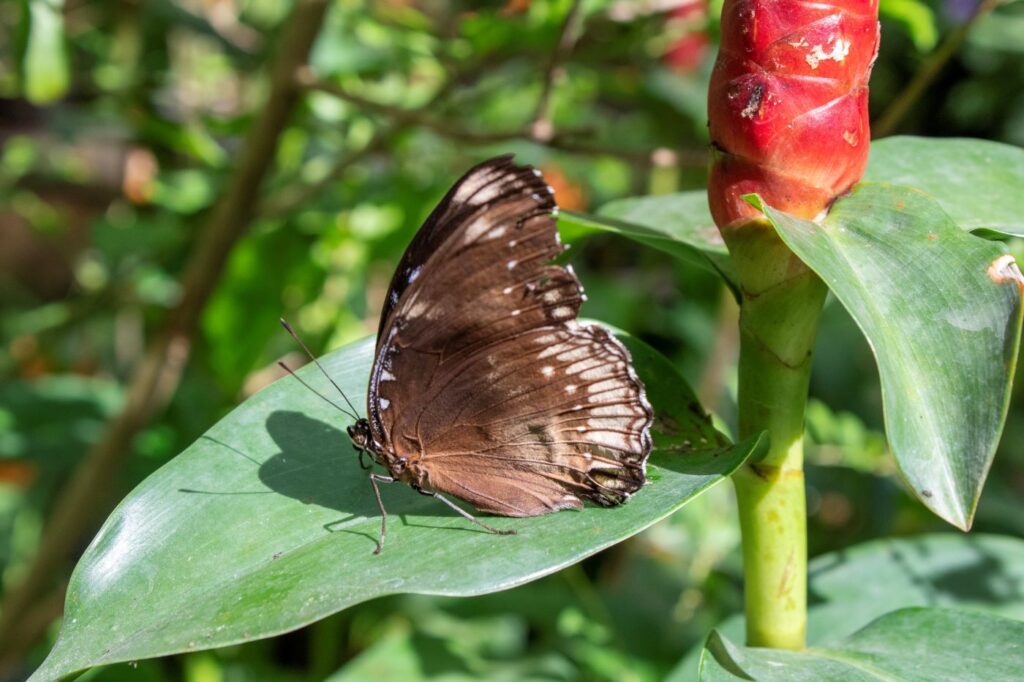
[466, 515]
[374, 480]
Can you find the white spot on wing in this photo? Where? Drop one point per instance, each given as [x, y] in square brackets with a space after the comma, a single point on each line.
[547, 371]
[615, 441]
[385, 403]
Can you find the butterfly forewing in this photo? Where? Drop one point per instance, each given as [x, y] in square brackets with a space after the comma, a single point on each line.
[485, 385]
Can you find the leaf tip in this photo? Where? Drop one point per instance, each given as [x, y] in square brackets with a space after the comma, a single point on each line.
[754, 200]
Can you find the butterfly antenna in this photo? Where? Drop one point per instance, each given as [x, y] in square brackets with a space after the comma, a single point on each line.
[322, 396]
[288, 328]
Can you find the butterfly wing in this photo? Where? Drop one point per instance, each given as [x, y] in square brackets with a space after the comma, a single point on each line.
[484, 381]
[476, 188]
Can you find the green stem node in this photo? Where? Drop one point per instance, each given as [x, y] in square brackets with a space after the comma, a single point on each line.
[780, 309]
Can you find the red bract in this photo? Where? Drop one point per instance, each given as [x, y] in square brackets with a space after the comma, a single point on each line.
[788, 104]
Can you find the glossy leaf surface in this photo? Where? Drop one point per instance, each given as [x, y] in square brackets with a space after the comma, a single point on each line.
[977, 182]
[267, 523]
[678, 224]
[942, 314]
[850, 588]
[910, 645]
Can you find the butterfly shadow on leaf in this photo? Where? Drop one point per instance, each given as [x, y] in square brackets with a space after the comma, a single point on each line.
[318, 465]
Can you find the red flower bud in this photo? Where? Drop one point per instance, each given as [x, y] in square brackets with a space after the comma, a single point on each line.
[788, 104]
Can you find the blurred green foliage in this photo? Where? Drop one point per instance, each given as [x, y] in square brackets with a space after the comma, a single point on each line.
[119, 125]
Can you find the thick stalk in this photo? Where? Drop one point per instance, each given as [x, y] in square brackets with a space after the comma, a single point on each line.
[781, 306]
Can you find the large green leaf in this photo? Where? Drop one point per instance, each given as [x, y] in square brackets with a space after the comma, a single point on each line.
[267, 523]
[849, 588]
[977, 182]
[910, 645]
[678, 224]
[942, 314]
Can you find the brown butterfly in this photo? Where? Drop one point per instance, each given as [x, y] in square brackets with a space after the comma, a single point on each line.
[484, 385]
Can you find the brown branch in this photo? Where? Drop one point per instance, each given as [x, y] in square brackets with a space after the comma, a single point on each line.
[88, 494]
[289, 200]
[929, 71]
[421, 117]
[542, 127]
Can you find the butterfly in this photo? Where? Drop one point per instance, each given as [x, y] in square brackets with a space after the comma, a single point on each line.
[485, 386]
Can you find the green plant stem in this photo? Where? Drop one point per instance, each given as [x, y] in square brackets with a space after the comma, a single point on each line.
[780, 308]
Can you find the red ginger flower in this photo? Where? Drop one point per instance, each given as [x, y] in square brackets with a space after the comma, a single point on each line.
[788, 104]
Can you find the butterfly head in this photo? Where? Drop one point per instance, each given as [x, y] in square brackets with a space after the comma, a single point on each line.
[360, 434]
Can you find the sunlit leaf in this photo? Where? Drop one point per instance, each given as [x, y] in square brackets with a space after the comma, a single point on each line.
[267, 523]
[944, 325]
[977, 182]
[917, 19]
[678, 224]
[45, 61]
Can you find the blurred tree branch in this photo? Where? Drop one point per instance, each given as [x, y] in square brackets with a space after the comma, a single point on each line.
[421, 117]
[929, 71]
[88, 494]
[298, 194]
[543, 127]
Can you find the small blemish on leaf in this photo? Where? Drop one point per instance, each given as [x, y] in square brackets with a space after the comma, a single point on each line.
[926, 493]
[1004, 269]
[933, 236]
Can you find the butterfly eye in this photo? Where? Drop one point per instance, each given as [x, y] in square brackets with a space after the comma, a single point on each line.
[359, 435]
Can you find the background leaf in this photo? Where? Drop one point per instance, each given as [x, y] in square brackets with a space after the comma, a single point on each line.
[977, 182]
[266, 523]
[45, 61]
[945, 334]
[849, 589]
[679, 224]
[914, 644]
